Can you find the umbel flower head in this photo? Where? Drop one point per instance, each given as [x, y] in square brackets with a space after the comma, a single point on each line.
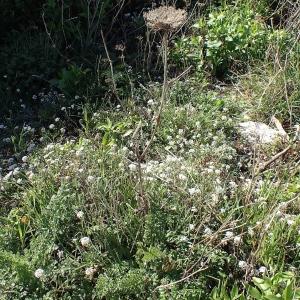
[165, 18]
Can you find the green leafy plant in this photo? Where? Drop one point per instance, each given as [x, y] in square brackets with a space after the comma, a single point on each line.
[188, 50]
[72, 81]
[230, 36]
[221, 293]
[122, 283]
[232, 33]
[281, 286]
[114, 131]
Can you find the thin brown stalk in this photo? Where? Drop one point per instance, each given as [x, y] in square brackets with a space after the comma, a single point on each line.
[164, 92]
[111, 67]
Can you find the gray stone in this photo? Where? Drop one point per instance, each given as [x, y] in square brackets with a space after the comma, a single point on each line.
[259, 133]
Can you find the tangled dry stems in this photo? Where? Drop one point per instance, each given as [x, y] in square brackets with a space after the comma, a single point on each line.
[165, 18]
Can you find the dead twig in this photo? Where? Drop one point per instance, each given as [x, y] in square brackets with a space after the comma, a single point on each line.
[274, 158]
[111, 67]
[181, 75]
[165, 286]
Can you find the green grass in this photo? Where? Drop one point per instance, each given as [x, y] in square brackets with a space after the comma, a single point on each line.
[205, 212]
[74, 182]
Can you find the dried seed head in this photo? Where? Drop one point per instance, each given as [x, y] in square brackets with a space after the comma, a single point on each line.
[165, 18]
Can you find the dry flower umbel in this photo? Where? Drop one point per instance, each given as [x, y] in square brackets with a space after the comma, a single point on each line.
[165, 18]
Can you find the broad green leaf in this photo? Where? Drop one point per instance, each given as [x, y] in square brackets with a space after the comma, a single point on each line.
[263, 284]
[234, 293]
[272, 297]
[288, 292]
[255, 293]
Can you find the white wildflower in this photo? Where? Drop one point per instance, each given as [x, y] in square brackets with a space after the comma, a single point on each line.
[132, 167]
[207, 231]
[151, 102]
[182, 177]
[250, 231]
[39, 273]
[242, 264]
[16, 171]
[229, 234]
[8, 175]
[30, 147]
[89, 272]
[194, 209]
[60, 254]
[232, 184]
[90, 178]
[183, 238]
[85, 241]
[193, 191]
[262, 270]
[51, 126]
[191, 226]
[218, 172]
[237, 240]
[80, 214]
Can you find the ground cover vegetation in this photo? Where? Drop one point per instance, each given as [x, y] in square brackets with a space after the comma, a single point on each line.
[123, 174]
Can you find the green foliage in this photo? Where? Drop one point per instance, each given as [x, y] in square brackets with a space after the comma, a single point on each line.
[72, 81]
[232, 34]
[77, 23]
[73, 225]
[121, 282]
[221, 293]
[230, 37]
[189, 50]
[17, 273]
[282, 286]
[275, 89]
[28, 62]
[114, 132]
[18, 15]
[56, 43]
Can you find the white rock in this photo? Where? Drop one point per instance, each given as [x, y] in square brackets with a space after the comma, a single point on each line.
[259, 133]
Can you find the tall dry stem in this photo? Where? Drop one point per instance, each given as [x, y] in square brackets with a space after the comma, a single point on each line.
[164, 19]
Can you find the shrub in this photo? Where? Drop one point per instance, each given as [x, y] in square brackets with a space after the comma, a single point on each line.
[230, 37]
[274, 86]
[122, 282]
